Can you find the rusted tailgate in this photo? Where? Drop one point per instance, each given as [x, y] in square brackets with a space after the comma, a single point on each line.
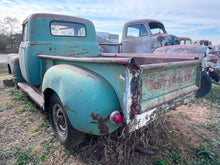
[163, 83]
[163, 86]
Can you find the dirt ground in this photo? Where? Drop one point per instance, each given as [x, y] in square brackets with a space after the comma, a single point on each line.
[188, 135]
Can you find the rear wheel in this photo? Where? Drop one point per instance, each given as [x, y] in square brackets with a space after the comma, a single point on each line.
[65, 133]
[205, 86]
[214, 75]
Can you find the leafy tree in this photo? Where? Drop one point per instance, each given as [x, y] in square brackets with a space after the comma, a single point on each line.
[10, 24]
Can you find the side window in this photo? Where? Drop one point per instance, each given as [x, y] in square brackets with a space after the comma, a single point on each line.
[69, 29]
[25, 32]
[136, 30]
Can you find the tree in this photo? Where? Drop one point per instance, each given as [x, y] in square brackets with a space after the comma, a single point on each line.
[3, 44]
[10, 25]
[3, 37]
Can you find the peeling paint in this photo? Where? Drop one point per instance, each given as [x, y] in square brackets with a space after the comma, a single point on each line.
[101, 122]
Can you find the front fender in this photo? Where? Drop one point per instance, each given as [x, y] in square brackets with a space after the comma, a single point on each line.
[14, 68]
[87, 98]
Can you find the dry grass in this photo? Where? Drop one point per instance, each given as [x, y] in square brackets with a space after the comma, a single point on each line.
[189, 135]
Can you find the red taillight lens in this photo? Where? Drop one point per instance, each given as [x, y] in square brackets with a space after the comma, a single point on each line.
[116, 117]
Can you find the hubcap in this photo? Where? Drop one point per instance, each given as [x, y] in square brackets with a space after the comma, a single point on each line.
[59, 120]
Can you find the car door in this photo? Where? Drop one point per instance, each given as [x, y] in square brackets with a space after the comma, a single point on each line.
[137, 39]
[22, 51]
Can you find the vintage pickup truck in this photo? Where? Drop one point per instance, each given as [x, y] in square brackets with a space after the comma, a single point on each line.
[141, 36]
[60, 67]
[150, 36]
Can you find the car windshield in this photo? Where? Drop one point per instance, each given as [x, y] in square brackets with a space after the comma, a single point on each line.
[157, 28]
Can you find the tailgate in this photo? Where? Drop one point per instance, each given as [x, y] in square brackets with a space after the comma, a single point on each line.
[163, 86]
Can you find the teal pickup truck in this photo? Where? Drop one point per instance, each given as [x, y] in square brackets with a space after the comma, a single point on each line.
[60, 67]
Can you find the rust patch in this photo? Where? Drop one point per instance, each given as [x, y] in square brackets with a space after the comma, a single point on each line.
[101, 122]
[136, 93]
[32, 33]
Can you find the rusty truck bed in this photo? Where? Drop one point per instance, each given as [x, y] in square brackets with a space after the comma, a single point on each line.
[144, 83]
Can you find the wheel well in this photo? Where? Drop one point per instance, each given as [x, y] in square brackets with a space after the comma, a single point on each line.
[47, 93]
[9, 69]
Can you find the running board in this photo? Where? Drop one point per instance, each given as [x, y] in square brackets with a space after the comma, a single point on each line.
[35, 96]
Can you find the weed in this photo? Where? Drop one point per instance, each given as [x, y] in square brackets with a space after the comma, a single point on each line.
[28, 119]
[44, 125]
[42, 157]
[49, 148]
[208, 127]
[2, 88]
[206, 153]
[213, 96]
[5, 155]
[28, 107]
[23, 158]
[161, 162]
[34, 150]
[216, 140]
[2, 108]
[18, 95]
[34, 129]
[19, 110]
[176, 158]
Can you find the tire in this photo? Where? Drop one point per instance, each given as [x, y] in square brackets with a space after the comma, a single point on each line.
[205, 85]
[9, 69]
[214, 75]
[64, 132]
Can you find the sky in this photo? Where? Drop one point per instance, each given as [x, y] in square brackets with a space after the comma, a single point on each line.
[197, 19]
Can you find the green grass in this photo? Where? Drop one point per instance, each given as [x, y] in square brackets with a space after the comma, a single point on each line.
[18, 95]
[213, 97]
[24, 158]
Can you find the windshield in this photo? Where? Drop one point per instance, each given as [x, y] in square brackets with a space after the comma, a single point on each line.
[157, 28]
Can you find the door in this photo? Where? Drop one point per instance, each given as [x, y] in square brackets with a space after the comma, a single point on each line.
[137, 39]
[22, 51]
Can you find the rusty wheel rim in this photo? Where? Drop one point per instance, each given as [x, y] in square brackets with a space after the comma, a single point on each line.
[59, 120]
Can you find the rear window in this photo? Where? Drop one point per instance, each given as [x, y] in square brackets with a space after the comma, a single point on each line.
[69, 29]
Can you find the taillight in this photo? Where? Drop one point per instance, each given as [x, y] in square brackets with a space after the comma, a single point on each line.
[116, 117]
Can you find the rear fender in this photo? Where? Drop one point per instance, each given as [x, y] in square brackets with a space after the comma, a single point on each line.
[86, 96]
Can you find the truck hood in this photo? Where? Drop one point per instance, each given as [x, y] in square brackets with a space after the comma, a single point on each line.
[183, 49]
[195, 51]
[167, 39]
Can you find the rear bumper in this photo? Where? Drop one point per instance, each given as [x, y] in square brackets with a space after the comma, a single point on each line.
[145, 118]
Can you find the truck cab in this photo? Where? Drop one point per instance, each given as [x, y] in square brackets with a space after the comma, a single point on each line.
[55, 35]
[144, 36]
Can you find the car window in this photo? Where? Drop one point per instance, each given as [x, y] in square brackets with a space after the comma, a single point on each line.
[70, 29]
[136, 30]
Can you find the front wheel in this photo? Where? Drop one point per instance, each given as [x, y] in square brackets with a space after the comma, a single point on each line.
[64, 132]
